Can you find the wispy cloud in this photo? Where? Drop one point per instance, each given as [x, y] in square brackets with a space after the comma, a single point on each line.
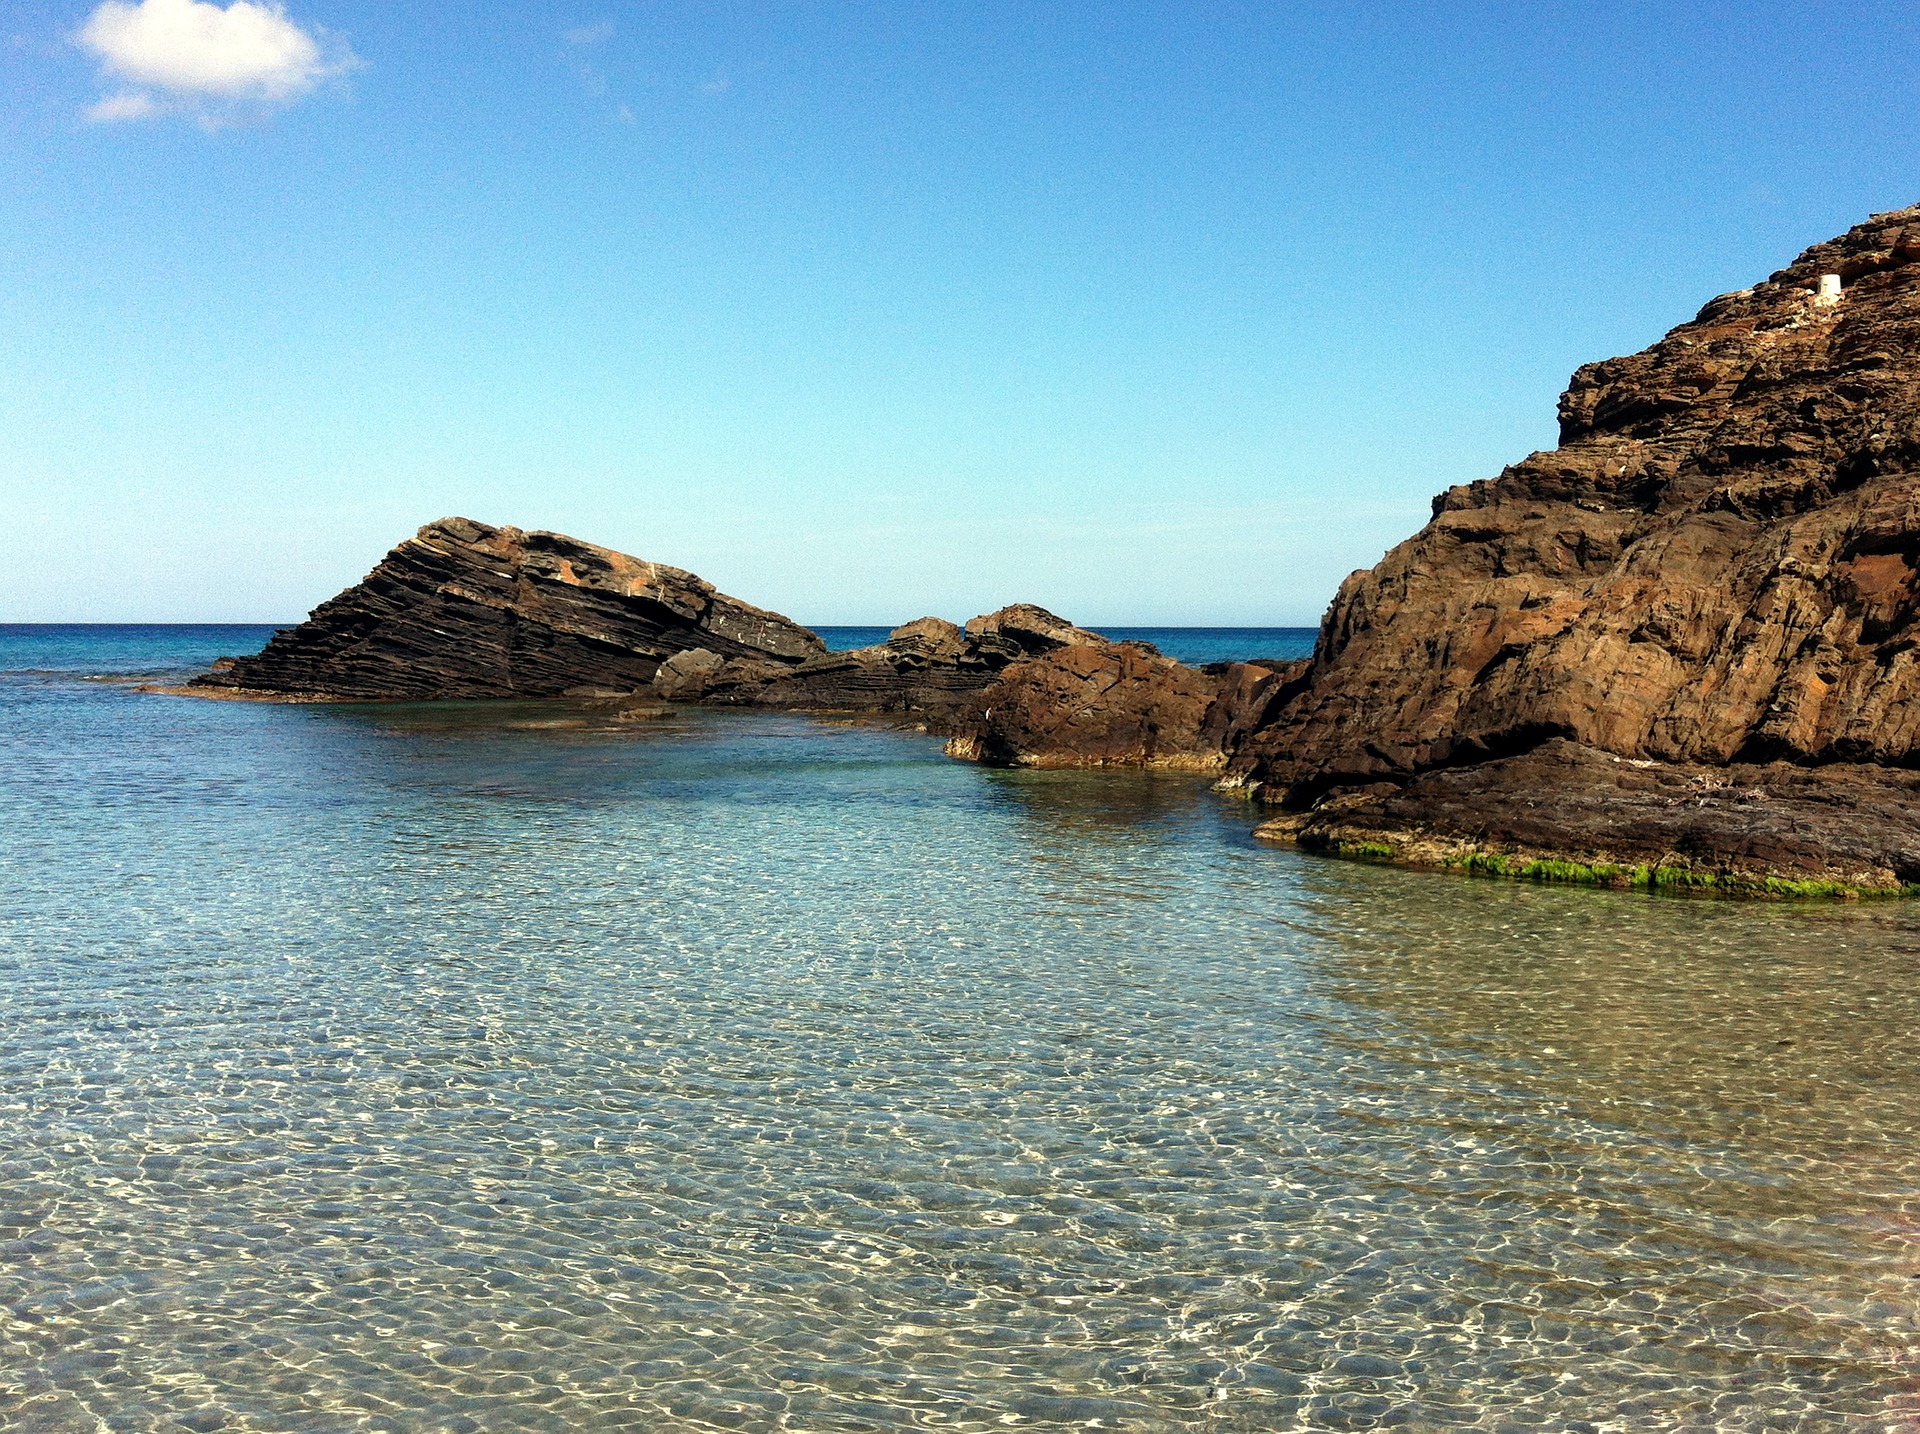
[213, 61]
[130, 106]
[584, 44]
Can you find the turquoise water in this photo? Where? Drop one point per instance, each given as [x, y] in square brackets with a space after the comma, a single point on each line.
[506, 1066]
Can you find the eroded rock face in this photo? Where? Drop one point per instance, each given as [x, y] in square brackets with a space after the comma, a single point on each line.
[928, 667]
[1117, 704]
[464, 610]
[1717, 565]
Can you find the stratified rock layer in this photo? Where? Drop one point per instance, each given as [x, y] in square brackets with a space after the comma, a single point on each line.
[1564, 812]
[929, 668]
[1715, 571]
[464, 610]
[1716, 565]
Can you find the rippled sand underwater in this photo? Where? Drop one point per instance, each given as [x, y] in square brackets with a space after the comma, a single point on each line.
[502, 1068]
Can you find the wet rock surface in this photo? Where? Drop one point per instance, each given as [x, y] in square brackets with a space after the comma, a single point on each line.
[1564, 812]
[465, 610]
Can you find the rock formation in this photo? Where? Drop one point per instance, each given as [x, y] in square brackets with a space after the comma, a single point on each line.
[464, 610]
[1683, 646]
[1568, 812]
[1717, 563]
[1117, 704]
[1715, 573]
[929, 668]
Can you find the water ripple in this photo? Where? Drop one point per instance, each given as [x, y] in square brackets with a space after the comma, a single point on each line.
[414, 1069]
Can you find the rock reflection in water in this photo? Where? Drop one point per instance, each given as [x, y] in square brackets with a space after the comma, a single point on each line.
[427, 1069]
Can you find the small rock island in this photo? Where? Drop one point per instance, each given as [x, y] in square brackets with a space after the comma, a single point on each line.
[1680, 650]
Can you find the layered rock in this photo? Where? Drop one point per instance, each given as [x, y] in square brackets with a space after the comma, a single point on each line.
[1567, 812]
[1715, 570]
[928, 668]
[1717, 563]
[464, 610]
[1117, 704]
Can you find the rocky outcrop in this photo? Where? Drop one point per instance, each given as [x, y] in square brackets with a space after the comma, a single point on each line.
[1564, 812]
[929, 668]
[1716, 565]
[1117, 704]
[1715, 572]
[464, 610]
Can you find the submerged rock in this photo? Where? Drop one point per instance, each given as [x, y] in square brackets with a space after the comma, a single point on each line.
[464, 610]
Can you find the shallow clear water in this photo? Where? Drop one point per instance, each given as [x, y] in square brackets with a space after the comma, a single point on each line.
[499, 1067]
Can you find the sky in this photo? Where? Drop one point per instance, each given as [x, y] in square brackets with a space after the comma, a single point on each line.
[1150, 313]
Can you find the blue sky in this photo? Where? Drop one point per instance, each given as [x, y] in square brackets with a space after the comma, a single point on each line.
[1150, 313]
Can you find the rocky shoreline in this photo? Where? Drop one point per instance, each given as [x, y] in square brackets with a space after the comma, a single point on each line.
[1681, 651]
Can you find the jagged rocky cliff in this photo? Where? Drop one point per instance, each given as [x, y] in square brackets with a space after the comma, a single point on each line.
[1717, 563]
[1683, 642]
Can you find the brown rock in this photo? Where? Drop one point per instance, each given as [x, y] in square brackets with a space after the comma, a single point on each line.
[1717, 567]
[685, 676]
[1115, 704]
[1759, 828]
[928, 667]
[1024, 630]
[464, 610]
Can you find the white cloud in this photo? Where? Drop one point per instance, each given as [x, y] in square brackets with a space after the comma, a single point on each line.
[192, 51]
[123, 107]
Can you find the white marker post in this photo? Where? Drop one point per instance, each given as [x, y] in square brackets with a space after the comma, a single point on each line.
[1828, 293]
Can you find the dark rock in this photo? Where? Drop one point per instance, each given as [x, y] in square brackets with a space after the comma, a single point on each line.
[685, 676]
[1572, 813]
[1116, 704]
[1717, 571]
[1718, 563]
[463, 610]
[929, 667]
[1022, 630]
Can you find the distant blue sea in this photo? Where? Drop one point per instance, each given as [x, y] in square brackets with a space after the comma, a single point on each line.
[505, 1066]
[153, 648]
[124, 649]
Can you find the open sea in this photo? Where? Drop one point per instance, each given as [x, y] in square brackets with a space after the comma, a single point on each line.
[498, 1067]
